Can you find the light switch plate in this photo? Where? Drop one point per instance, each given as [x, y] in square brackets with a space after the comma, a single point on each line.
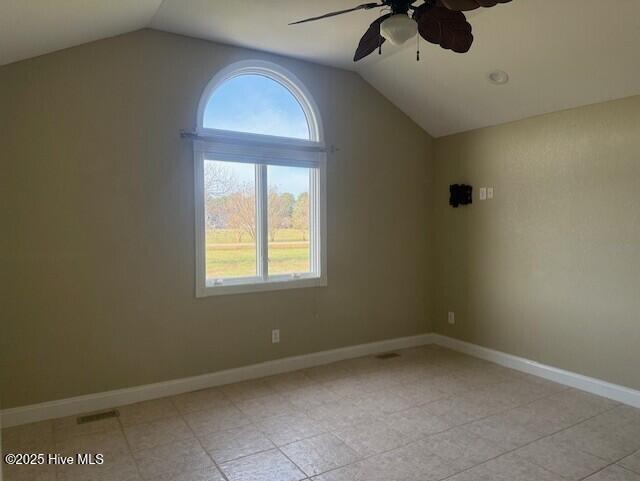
[483, 193]
[489, 192]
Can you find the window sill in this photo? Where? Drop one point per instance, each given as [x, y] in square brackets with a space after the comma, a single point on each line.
[251, 287]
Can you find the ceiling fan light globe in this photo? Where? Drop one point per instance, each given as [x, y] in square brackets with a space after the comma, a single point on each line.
[398, 28]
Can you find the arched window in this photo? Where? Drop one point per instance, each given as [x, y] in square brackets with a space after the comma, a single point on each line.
[259, 178]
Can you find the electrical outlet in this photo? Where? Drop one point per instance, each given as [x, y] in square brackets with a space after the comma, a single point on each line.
[275, 336]
[489, 192]
[451, 317]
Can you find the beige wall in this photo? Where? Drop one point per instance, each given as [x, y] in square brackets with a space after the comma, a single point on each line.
[549, 269]
[98, 244]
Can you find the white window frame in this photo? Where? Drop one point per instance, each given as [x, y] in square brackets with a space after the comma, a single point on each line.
[263, 150]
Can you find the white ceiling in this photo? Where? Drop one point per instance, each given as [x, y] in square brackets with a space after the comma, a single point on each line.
[559, 54]
[35, 27]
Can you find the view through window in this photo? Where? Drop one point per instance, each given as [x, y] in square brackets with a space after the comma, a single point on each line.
[231, 221]
[288, 215]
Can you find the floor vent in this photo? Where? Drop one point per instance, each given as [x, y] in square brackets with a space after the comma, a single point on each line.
[387, 355]
[89, 418]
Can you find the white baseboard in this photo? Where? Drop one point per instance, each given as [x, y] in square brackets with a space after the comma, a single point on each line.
[120, 397]
[592, 385]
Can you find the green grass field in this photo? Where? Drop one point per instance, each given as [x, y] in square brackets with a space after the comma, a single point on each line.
[230, 236]
[226, 257]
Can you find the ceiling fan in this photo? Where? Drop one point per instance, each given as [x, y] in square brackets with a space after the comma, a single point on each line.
[437, 21]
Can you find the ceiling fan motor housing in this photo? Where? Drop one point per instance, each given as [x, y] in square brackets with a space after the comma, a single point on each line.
[399, 6]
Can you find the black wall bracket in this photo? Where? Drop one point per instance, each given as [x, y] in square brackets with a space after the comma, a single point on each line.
[460, 194]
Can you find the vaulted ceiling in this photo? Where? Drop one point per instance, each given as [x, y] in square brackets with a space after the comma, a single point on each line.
[559, 54]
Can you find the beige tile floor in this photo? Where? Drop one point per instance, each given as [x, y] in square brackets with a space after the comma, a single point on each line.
[427, 415]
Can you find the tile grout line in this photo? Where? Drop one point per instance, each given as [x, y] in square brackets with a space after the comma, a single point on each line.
[512, 451]
[596, 472]
[632, 454]
[463, 425]
[222, 473]
[253, 424]
[126, 440]
[363, 458]
[614, 463]
[421, 438]
[307, 476]
[276, 447]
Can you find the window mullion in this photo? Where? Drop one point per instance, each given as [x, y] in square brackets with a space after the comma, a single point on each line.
[261, 219]
[313, 220]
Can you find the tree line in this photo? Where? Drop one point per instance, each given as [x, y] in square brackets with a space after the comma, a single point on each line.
[232, 205]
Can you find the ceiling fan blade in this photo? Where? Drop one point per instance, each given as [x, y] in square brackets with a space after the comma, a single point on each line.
[444, 27]
[466, 5]
[364, 6]
[371, 39]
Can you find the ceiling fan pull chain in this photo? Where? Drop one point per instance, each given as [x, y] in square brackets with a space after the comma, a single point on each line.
[417, 48]
[380, 39]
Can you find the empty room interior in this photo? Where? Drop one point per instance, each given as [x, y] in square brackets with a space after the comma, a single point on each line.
[296, 240]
